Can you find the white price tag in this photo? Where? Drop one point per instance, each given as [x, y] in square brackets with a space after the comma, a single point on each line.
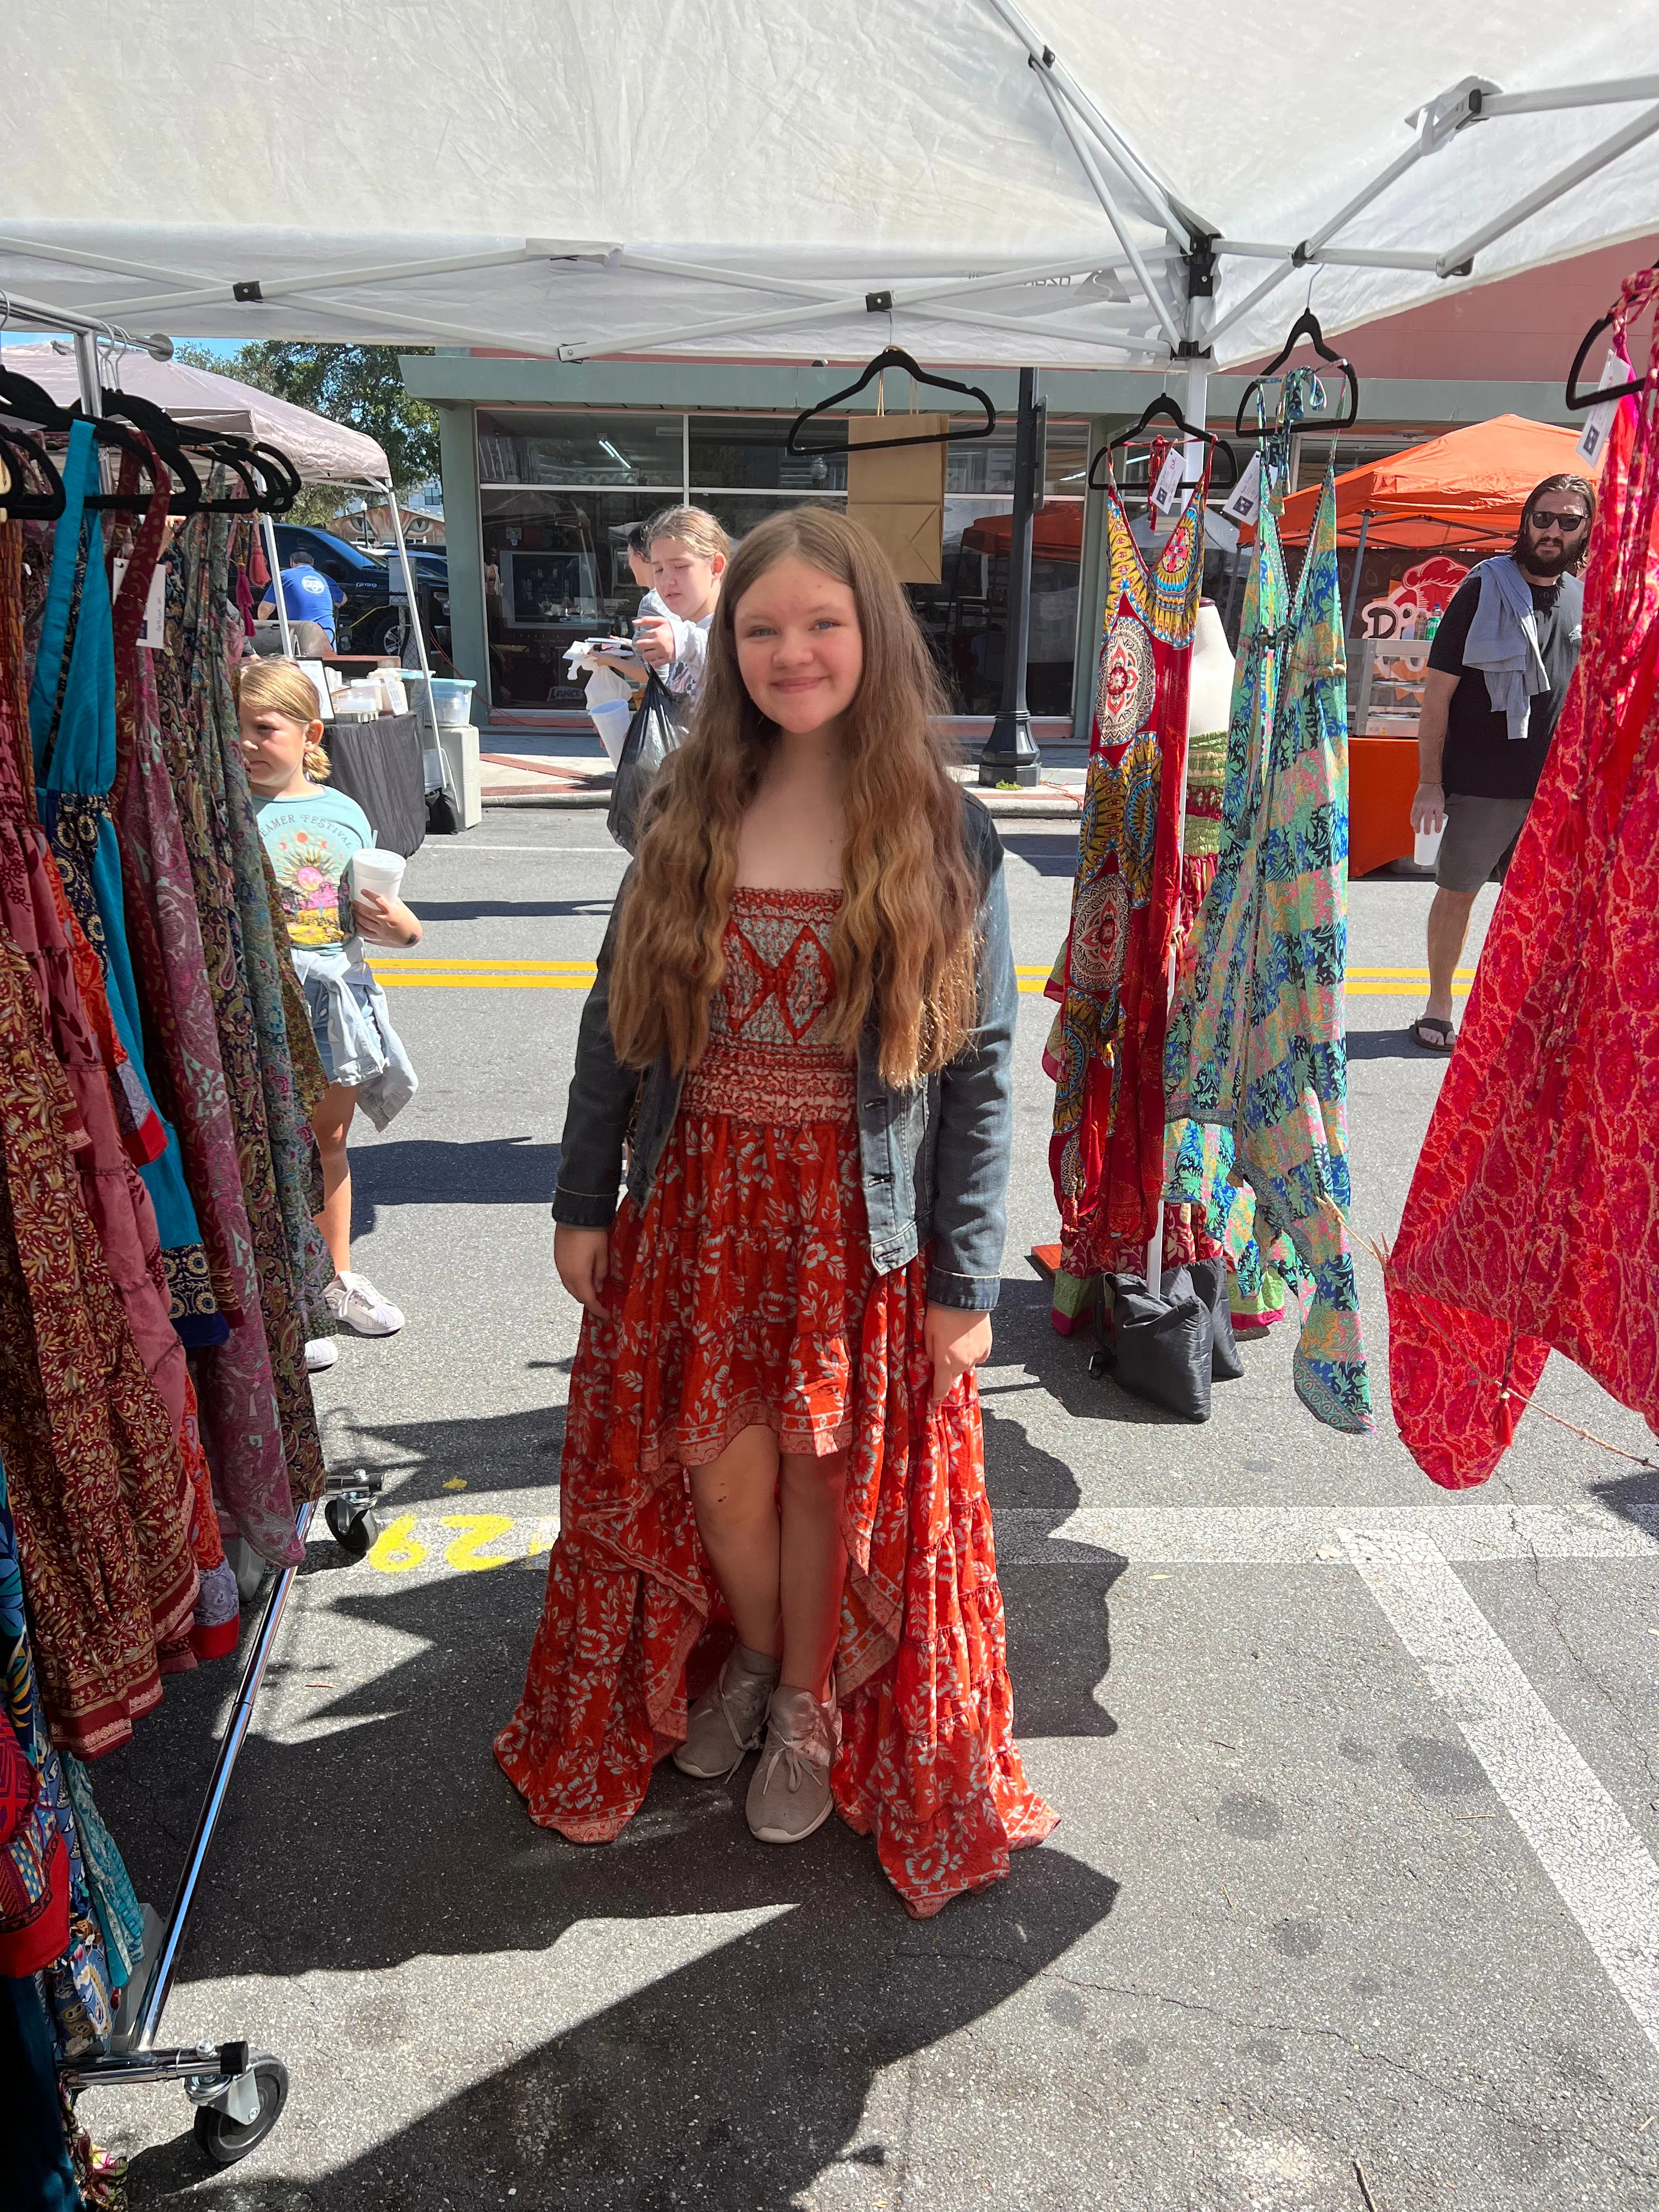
[1244, 501]
[1615, 369]
[1166, 491]
[153, 632]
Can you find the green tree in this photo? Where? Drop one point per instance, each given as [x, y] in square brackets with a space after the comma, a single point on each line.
[358, 386]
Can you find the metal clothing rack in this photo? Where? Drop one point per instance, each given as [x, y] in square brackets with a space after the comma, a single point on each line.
[239, 2092]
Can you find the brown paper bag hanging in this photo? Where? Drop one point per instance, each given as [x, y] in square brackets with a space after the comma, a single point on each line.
[912, 473]
[898, 491]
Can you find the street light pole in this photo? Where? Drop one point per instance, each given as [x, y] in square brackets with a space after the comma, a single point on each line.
[1010, 756]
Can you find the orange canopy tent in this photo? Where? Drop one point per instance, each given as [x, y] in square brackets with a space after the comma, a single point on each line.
[1056, 534]
[1466, 489]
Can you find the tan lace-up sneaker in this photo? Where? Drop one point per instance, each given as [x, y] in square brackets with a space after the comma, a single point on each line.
[789, 1797]
[727, 1719]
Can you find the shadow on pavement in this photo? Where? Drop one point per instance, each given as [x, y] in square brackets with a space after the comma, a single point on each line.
[1053, 855]
[499, 1451]
[1391, 1044]
[509, 909]
[442, 1171]
[730, 2081]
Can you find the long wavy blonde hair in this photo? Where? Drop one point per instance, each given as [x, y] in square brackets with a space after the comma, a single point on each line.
[904, 940]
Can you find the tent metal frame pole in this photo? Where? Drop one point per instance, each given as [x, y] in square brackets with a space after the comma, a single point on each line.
[268, 531]
[394, 272]
[1457, 258]
[1359, 563]
[829, 304]
[428, 713]
[1113, 213]
[1472, 103]
[1138, 171]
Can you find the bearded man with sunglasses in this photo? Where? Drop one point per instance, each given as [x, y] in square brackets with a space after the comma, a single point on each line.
[1498, 674]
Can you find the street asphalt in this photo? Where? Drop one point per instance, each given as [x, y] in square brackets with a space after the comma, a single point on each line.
[1353, 1903]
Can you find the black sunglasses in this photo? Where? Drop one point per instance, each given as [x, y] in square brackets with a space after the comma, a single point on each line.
[1548, 517]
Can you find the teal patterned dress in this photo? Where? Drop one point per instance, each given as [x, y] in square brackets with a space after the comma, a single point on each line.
[1256, 1044]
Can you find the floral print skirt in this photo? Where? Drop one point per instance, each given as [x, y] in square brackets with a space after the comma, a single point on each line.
[743, 1293]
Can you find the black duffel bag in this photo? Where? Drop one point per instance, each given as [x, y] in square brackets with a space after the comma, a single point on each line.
[654, 733]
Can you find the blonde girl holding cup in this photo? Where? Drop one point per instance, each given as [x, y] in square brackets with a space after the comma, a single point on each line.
[313, 835]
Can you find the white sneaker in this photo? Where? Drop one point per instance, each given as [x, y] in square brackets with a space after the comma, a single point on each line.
[321, 1351]
[357, 1305]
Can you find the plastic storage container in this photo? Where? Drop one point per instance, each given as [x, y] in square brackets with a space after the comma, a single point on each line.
[451, 697]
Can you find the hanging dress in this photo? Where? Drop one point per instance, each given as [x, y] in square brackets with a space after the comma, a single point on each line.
[1257, 1041]
[1533, 1218]
[1106, 1153]
[256, 1407]
[744, 1293]
[72, 723]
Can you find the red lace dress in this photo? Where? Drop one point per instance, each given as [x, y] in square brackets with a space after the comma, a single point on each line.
[744, 1293]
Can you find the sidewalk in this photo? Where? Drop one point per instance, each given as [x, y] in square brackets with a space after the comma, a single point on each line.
[567, 767]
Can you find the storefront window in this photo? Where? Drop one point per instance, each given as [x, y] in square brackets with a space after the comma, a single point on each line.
[561, 489]
[533, 446]
[742, 453]
[556, 568]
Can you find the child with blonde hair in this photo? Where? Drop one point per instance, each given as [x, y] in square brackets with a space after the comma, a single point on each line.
[689, 553]
[312, 834]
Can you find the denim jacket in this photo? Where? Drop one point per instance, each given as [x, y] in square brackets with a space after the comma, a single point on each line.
[935, 1155]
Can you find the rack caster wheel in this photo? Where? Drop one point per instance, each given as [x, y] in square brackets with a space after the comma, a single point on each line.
[354, 1527]
[223, 2137]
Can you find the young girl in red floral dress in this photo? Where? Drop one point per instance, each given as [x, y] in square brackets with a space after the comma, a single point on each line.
[772, 1479]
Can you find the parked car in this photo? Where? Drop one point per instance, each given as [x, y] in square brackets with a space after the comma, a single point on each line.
[370, 619]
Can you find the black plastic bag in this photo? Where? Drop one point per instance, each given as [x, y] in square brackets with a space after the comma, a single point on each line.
[1157, 1347]
[654, 733]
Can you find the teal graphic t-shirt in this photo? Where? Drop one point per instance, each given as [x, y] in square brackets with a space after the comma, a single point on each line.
[311, 839]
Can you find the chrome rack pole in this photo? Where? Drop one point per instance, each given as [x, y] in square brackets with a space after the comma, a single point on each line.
[143, 2063]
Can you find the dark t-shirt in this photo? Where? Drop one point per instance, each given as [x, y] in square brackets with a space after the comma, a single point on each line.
[1481, 758]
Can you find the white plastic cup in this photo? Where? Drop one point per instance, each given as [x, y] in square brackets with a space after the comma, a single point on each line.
[378, 871]
[1427, 849]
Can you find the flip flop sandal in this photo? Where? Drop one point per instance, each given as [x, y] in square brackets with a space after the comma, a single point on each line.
[1433, 1034]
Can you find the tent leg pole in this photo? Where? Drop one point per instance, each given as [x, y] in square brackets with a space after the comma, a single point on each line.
[273, 562]
[428, 712]
[1010, 755]
[1359, 563]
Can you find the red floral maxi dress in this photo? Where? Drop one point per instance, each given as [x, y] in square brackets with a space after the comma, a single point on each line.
[743, 1293]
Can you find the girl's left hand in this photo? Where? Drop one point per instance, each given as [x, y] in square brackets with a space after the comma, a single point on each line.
[955, 1341]
[384, 921]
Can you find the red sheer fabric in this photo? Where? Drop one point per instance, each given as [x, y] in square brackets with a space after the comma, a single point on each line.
[1533, 1219]
[743, 1294]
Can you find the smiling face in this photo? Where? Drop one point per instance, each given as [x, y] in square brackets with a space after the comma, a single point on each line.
[686, 583]
[274, 747]
[799, 648]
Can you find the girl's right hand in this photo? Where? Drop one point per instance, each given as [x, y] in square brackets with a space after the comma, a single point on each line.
[582, 1257]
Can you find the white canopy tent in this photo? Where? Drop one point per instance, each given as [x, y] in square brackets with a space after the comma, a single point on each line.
[1085, 186]
[320, 452]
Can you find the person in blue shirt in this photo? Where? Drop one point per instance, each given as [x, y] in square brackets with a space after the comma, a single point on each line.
[309, 595]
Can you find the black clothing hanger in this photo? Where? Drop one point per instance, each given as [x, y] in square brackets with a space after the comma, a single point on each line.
[1165, 409]
[22, 397]
[283, 483]
[894, 356]
[1306, 325]
[24, 454]
[1577, 399]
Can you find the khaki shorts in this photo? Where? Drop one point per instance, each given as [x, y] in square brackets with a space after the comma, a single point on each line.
[1480, 835]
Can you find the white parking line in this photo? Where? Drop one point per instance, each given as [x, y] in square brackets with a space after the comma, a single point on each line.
[1601, 1870]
